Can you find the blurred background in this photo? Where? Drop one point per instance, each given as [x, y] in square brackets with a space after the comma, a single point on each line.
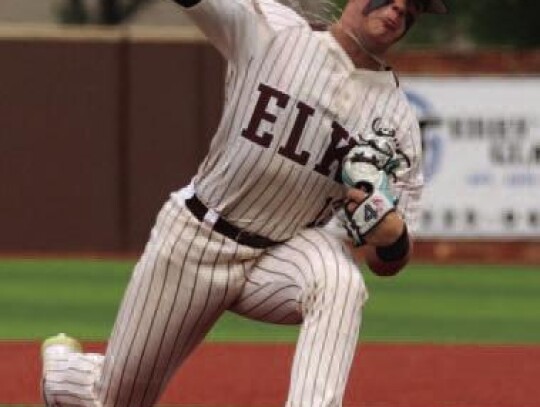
[107, 106]
[498, 23]
[110, 105]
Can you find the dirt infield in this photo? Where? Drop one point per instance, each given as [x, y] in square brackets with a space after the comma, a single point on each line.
[382, 376]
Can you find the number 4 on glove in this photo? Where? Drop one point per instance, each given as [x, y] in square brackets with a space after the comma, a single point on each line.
[379, 203]
[369, 213]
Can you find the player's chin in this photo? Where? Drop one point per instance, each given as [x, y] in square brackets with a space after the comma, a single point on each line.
[387, 38]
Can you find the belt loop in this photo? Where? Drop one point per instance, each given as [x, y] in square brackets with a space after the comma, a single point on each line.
[211, 217]
[187, 192]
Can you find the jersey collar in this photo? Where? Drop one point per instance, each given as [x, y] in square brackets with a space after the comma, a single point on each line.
[384, 78]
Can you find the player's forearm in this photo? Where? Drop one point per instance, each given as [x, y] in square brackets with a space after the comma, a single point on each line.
[390, 246]
[386, 232]
[389, 260]
[394, 257]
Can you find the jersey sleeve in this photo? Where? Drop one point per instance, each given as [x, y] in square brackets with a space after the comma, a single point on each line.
[410, 179]
[240, 28]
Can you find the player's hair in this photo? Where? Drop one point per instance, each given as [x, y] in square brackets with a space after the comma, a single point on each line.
[319, 13]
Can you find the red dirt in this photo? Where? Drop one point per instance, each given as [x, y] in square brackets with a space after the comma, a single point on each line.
[382, 376]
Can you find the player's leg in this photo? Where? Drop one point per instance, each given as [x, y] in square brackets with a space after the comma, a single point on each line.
[310, 280]
[184, 281]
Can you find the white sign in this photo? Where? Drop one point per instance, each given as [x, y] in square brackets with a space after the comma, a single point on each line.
[481, 155]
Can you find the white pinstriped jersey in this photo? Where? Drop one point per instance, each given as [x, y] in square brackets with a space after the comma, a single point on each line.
[295, 104]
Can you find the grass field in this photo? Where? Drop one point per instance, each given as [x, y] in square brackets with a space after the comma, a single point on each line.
[427, 303]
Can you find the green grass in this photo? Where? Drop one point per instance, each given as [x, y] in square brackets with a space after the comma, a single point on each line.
[427, 303]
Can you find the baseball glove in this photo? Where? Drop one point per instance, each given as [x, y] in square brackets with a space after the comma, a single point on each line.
[368, 167]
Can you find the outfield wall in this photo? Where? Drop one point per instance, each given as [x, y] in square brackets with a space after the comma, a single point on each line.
[99, 125]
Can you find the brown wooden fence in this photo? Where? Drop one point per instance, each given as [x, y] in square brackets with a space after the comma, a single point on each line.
[99, 126]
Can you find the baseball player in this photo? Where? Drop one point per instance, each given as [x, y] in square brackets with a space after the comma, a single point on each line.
[315, 127]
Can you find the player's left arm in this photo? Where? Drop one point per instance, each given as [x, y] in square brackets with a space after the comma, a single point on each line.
[384, 202]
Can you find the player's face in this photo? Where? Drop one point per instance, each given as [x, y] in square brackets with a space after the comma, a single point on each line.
[381, 23]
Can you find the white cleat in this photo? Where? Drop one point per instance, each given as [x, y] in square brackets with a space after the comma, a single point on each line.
[54, 349]
[57, 345]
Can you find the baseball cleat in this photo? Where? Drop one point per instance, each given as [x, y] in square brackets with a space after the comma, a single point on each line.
[60, 344]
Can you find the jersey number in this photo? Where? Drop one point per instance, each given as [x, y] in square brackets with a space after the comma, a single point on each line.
[369, 213]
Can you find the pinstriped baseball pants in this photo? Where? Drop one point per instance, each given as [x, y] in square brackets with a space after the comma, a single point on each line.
[187, 277]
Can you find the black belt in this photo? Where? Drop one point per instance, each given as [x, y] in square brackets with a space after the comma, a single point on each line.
[199, 210]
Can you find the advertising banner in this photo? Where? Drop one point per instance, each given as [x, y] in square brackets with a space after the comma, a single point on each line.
[481, 139]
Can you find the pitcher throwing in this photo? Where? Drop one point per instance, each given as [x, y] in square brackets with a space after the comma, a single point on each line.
[315, 127]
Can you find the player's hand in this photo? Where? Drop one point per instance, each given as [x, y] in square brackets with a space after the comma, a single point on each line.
[364, 216]
[385, 234]
[369, 254]
[370, 198]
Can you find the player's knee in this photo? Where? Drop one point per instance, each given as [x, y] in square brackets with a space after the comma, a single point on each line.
[341, 287]
[350, 288]
[358, 288]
